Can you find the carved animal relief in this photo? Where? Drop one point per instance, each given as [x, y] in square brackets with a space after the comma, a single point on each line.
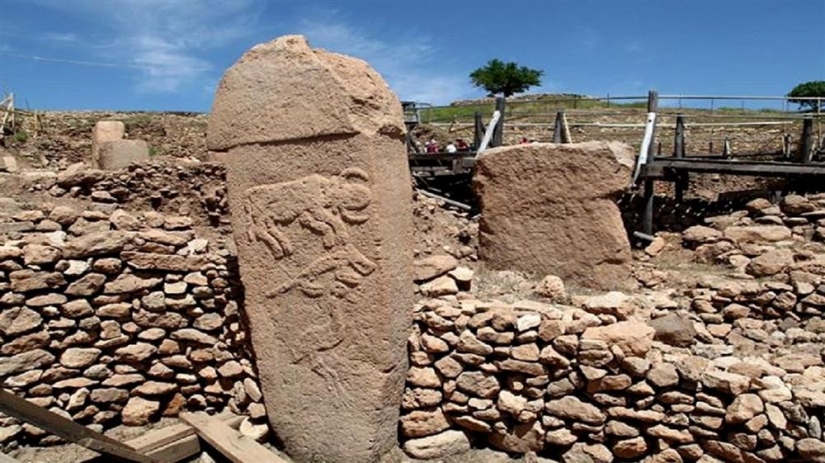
[324, 206]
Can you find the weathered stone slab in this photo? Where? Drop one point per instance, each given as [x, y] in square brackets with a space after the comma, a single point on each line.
[550, 209]
[105, 131]
[168, 262]
[319, 191]
[118, 154]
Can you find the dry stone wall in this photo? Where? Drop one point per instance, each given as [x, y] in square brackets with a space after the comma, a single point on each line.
[578, 385]
[196, 190]
[112, 317]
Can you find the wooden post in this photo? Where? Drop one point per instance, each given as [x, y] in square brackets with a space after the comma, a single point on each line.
[498, 131]
[806, 143]
[565, 133]
[647, 216]
[726, 151]
[786, 146]
[679, 138]
[683, 179]
[478, 132]
[412, 146]
[557, 127]
[652, 107]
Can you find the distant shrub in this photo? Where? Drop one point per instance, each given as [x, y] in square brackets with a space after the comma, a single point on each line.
[812, 89]
[21, 136]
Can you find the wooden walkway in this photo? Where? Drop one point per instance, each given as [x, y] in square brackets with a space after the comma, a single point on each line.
[678, 167]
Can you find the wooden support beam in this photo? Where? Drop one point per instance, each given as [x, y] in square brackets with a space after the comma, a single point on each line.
[647, 214]
[231, 443]
[806, 143]
[171, 444]
[412, 146]
[478, 130]
[652, 107]
[498, 130]
[24, 410]
[565, 134]
[683, 179]
[658, 167]
[557, 127]
[679, 137]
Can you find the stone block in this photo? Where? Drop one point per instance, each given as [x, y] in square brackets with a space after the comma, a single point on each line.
[114, 155]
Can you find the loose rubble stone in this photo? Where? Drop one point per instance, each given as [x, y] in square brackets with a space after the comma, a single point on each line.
[434, 266]
[632, 337]
[440, 445]
[674, 330]
[138, 411]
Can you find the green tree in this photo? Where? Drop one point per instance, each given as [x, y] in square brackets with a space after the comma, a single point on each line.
[507, 78]
[814, 88]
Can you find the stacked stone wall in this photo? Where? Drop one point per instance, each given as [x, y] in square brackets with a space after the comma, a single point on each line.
[108, 317]
[570, 384]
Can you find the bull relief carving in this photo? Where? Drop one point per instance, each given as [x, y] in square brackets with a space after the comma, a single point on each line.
[326, 207]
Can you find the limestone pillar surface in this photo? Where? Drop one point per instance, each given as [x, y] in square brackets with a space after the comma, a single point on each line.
[320, 198]
[550, 209]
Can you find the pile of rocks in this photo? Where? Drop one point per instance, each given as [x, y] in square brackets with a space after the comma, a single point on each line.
[575, 382]
[194, 189]
[439, 228]
[113, 318]
[765, 240]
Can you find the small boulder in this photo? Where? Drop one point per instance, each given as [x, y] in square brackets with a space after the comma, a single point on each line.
[138, 411]
[440, 445]
[551, 287]
[771, 263]
[434, 266]
[700, 234]
[674, 330]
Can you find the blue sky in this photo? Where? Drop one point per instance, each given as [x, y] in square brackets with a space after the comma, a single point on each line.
[169, 55]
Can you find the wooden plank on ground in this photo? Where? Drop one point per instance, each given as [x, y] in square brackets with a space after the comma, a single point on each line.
[231, 443]
[22, 409]
[170, 444]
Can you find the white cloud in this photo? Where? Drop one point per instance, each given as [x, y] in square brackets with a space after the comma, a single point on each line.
[61, 37]
[408, 63]
[166, 40]
[5, 47]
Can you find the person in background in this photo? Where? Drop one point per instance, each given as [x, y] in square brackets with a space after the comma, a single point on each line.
[523, 141]
[432, 146]
[451, 148]
[462, 145]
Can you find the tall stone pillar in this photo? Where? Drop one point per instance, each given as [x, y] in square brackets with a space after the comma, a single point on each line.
[319, 191]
